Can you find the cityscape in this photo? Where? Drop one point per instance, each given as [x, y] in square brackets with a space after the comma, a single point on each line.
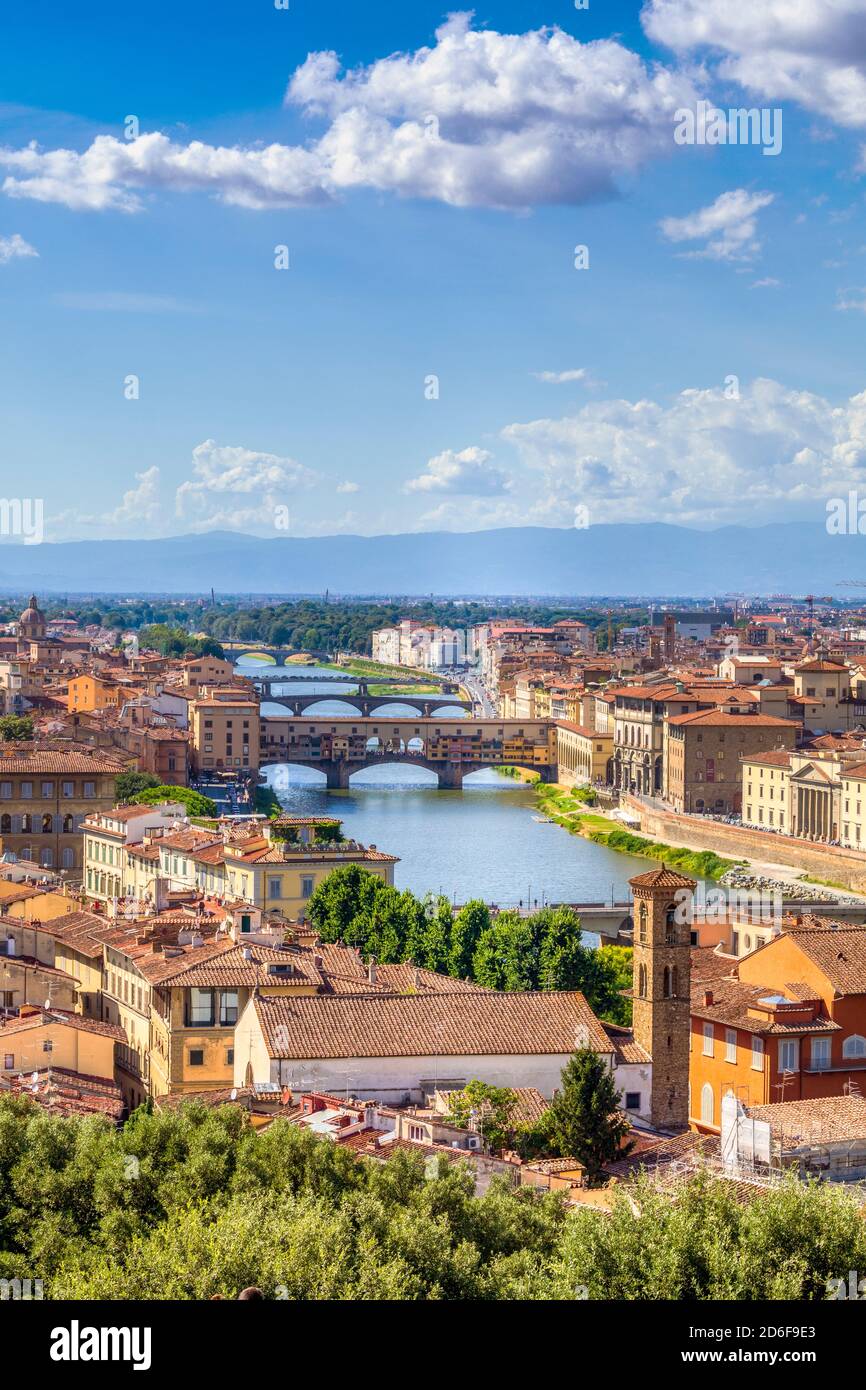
[433, 670]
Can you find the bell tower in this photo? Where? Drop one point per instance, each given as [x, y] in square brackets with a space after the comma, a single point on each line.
[662, 987]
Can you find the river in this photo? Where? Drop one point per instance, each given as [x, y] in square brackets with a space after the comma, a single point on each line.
[479, 842]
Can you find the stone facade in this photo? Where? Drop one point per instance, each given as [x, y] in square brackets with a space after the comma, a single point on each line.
[662, 985]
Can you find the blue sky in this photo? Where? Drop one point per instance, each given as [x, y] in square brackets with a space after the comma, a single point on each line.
[706, 368]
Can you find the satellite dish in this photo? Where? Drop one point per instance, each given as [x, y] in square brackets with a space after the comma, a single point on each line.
[234, 1094]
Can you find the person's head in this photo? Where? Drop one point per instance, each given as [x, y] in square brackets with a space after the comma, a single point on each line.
[252, 1292]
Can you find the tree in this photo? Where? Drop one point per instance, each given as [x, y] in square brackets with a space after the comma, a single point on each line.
[193, 801]
[583, 1120]
[506, 956]
[16, 728]
[471, 921]
[562, 960]
[437, 937]
[129, 784]
[488, 1108]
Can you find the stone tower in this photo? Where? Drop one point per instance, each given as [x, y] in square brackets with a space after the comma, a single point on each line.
[662, 985]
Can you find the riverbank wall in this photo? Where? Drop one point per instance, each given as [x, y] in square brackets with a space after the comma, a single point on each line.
[828, 862]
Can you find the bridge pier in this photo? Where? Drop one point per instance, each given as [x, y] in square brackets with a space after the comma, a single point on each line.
[338, 776]
[451, 778]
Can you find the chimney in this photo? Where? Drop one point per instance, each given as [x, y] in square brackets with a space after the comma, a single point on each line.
[708, 998]
[371, 970]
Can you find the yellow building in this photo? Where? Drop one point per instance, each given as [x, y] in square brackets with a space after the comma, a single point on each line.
[272, 865]
[765, 790]
[45, 796]
[87, 693]
[44, 1038]
[225, 731]
[583, 755]
[853, 799]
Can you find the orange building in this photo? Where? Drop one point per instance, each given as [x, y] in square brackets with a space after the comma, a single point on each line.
[87, 693]
[787, 1022]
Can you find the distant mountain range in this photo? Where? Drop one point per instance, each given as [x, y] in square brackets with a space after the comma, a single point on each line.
[640, 559]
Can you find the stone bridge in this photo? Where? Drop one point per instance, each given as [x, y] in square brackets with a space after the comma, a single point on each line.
[452, 749]
[426, 705]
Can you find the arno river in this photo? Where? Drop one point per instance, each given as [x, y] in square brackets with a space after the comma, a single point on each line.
[479, 842]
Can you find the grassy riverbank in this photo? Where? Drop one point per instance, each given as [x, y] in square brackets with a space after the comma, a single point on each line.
[369, 669]
[519, 774]
[568, 811]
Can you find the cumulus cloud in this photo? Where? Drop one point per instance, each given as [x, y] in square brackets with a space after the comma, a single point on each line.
[703, 459]
[809, 51]
[559, 378]
[233, 487]
[727, 227]
[11, 247]
[468, 472]
[479, 118]
[348, 486]
[139, 511]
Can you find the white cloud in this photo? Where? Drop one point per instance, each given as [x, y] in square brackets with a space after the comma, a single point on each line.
[704, 459]
[478, 118]
[349, 486]
[559, 378]
[727, 227]
[809, 51]
[852, 299]
[468, 472]
[223, 472]
[11, 247]
[139, 511]
[768, 283]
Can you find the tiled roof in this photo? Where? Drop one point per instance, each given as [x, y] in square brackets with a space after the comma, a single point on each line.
[79, 1022]
[58, 763]
[832, 1118]
[626, 1050]
[840, 952]
[722, 719]
[662, 878]
[427, 1025]
[732, 1001]
[775, 757]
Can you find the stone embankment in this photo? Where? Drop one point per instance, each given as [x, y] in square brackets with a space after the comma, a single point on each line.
[846, 867]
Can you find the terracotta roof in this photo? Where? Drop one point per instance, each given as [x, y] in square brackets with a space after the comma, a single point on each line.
[58, 763]
[626, 1050]
[834, 1118]
[774, 757]
[840, 952]
[79, 1022]
[662, 878]
[722, 719]
[428, 1025]
[732, 1001]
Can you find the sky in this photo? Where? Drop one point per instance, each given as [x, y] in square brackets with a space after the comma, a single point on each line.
[340, 269]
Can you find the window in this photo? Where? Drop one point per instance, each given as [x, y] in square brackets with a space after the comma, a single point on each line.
[730, 1044]
[632, 1100]
[26, 791]
[820, 1054]
[8, 1061]
[757, 1054]
[47, 790]
[6, 790]
[307, 886]
[275, 888]
[68, 789]
[196, 1057]
[789, 1054]
[709, 1034]
[641, 987]
[47, 1045]
[641, 917]
[228, 1007]
[855, 1046]
[90, 789]
[201, 1007]
[230, 1056]
[707, 1104]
